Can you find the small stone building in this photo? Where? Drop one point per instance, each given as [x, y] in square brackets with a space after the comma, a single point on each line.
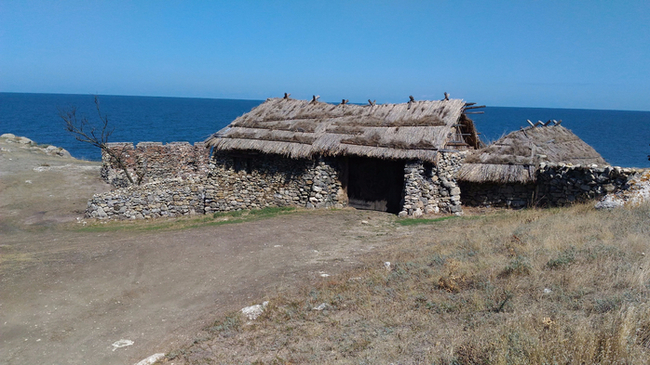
[537, 165]
[400, 158]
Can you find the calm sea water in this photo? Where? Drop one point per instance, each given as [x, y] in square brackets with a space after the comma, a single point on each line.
[134, 118]
[621, 137]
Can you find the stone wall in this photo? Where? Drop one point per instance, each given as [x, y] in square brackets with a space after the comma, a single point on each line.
[252, 182]
[167, 198]
[497, 195]
[556, 185]
[560, 185]
[432, 188]
[153, 161]
[232, 183]
[237, 182]
[181, 179]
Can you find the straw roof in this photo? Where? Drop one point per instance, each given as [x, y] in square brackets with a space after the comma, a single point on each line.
[516, 156]
[303, 129]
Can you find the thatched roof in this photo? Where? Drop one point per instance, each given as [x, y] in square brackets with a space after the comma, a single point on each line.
[303, 129]
[516, 156]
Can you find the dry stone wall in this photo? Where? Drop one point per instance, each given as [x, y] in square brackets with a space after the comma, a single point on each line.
[181, 179]
[556, 185]
[238, 182]
[252, 182]
[560, 185]
[152, 161]
[168, 198]
[497, 195]
[232, 183]
[432, 188]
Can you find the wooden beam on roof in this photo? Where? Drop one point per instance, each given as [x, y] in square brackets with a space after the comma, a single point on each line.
[474, 112]
[474, 107]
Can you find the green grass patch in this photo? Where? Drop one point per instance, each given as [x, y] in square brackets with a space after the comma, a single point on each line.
[216, 219]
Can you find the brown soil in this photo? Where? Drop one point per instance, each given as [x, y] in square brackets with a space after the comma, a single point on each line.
[70, 291]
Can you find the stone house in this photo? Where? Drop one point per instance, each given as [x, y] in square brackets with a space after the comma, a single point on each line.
[399, 158]
[543, 164]
[409, 159]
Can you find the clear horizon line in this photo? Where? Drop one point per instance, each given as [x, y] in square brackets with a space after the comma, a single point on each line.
[332, 102]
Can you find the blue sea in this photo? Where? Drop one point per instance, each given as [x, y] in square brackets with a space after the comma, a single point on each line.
[621, 137]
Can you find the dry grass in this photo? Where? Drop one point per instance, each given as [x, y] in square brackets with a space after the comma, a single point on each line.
[561, 286]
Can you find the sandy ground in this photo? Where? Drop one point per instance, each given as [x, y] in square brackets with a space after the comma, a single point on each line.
[67, 295]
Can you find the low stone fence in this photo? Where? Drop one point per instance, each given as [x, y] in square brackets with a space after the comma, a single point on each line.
[153, 161]
[169, 198]
[555, 185]
[559, 185]
[497, 195]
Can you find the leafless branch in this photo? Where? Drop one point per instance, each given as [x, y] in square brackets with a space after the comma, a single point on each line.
[84, 131]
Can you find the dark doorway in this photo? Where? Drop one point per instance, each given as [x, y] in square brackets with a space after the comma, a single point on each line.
[375, 184]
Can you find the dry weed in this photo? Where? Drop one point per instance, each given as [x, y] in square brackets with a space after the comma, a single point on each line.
[560, 286]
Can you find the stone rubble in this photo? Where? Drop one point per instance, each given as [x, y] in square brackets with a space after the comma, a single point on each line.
[151, 359]
[254, 311]
[638, 193]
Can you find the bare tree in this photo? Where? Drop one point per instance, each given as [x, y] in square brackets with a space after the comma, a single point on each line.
[85, 131]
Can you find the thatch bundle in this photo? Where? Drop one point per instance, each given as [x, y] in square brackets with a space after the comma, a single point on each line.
[302, 129]
[515, 157]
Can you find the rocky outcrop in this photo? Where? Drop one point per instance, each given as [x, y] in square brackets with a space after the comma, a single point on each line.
[24, 142]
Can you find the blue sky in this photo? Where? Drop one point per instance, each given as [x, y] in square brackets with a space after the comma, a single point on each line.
[567, 54]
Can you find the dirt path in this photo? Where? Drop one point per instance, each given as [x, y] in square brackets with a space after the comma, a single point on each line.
[67, 295]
